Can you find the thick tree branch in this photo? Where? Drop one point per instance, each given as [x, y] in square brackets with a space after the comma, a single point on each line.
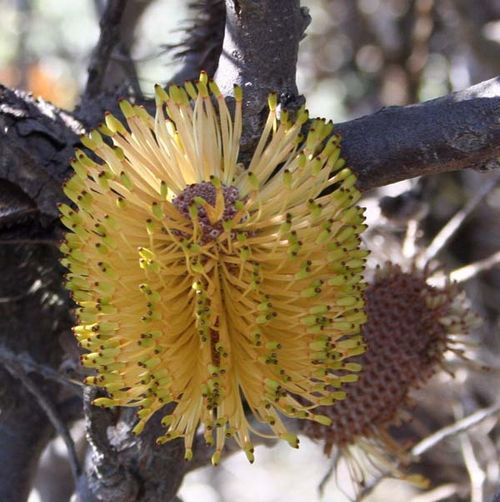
[112, 72]
[23, 438]
[121, 71]
[105, 477]
[459, 131]
[124, 467]
[451, 133]
[259, 53]
[32, 322]
[36, 141]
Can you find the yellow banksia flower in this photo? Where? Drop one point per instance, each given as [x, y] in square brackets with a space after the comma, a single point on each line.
[230, 290]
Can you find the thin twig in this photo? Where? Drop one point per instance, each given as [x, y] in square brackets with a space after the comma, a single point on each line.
[459, 426]
[29, 366]
[332, 468]
[109, 38]
[369, 487]
[429, 442]
[410, 241]
[469, 271]
[128, 64]
[18, 371]
[477, 476]
[442, 492]
[449, 230]
[23, 57]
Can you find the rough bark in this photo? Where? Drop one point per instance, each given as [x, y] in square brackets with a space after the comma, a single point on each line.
[125, 468]
[36, 142]
[35, 145]
[459, 131]
[259, 53]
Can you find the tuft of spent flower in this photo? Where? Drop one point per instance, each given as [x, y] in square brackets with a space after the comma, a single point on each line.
[410, 327]
[223, 288]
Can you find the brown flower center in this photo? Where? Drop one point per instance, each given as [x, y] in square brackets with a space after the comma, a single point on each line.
[190, 196]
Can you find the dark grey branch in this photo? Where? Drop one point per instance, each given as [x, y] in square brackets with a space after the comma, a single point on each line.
[26, 362]
[108, 40]
[105, 478]
[259, 53]
[23, 438]
[36, 142]
[459, 131]
[123, 467]
[33, 317]
[121, 71]
[454, 132]
[112, 71]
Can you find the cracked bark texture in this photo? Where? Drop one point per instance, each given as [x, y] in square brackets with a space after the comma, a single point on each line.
[259, 52]
[35, 144]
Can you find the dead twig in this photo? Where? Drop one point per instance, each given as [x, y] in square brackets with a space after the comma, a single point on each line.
[449, 230]
[463, 274]
[30, 366]
[429, 442]
[457, 427]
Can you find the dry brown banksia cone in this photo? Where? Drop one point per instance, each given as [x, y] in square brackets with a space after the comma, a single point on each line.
[410, 327]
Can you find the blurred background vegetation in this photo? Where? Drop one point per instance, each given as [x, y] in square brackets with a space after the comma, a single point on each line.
[358, 56]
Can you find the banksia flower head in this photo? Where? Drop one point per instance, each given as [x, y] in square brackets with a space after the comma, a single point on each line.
[210, 284]
[410, 327]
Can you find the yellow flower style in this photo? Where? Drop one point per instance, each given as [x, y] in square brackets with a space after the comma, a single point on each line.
[233, 291]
